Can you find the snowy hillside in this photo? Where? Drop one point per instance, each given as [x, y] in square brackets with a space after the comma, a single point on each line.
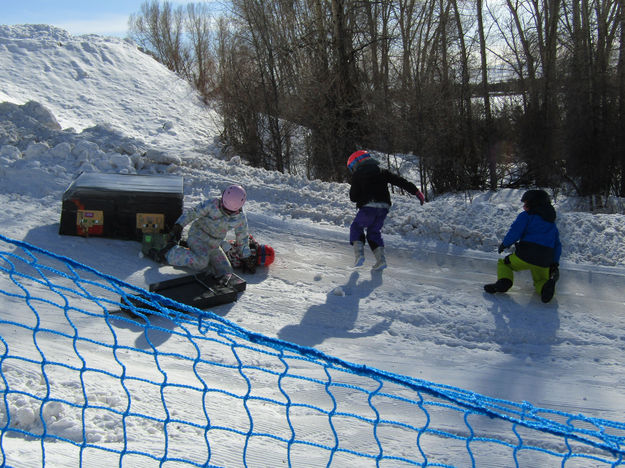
[73, 104]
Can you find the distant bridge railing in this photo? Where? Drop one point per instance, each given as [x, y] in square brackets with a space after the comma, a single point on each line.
[102, 373]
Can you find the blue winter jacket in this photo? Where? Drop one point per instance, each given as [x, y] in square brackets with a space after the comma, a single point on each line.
[536, 236]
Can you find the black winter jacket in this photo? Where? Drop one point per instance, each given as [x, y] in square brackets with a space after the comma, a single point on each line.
[370, 184]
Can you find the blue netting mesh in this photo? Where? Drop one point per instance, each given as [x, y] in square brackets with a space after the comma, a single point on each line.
[107, 374]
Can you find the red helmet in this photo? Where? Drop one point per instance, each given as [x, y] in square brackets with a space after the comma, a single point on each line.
[266, 255]
[233, 198]
[356, 158]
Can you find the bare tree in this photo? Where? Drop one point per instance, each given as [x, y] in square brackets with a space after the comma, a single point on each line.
[488, 116]
[199, 24]
[620, 146]
[536, 24]
[238, 94]
[159, 30]
[591, 105]
[376, 40]
[260, 29]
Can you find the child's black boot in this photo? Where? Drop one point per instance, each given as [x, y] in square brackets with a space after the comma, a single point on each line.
[502, 285]
[549, 288]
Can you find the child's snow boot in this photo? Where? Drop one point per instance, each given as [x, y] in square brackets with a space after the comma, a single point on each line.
[548, 290]
[502, 285]
[359, 253]
[157, 255]
[160, 255]
[380, 259]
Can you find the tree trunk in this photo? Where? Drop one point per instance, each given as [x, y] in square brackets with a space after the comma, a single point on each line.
[621, 98]
[491, 155]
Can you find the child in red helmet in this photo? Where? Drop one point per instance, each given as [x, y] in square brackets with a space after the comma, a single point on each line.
[369, 190]
[210, 222]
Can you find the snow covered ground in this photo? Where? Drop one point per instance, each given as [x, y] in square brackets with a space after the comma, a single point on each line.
[73, 104]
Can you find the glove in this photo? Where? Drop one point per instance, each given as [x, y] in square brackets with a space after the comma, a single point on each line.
[501, 248]
[554, 271]
[248, 264]
[420, 197]
[176, 233]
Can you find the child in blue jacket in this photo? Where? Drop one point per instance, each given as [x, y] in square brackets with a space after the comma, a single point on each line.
[537, 247]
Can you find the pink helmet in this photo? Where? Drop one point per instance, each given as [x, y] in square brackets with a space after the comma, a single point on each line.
[233, 198]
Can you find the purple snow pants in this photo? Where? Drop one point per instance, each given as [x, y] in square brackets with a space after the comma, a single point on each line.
[370, 219]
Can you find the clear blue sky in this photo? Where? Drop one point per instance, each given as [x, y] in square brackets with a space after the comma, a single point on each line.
[105, 17]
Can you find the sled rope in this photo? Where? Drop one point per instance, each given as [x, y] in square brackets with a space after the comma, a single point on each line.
[118, 375]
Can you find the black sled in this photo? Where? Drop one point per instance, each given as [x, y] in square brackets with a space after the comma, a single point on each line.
[200, 290]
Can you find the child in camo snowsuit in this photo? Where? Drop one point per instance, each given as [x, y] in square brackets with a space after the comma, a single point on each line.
[211, 221]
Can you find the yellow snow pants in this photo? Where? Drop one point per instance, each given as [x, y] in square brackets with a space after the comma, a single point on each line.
[508, 265]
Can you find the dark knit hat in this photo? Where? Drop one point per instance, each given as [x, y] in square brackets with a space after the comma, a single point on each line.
[534, 198]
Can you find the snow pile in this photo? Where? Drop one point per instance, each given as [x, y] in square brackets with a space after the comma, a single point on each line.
[91, 80]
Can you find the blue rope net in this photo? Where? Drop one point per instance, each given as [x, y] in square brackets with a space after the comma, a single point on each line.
[102, 373]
